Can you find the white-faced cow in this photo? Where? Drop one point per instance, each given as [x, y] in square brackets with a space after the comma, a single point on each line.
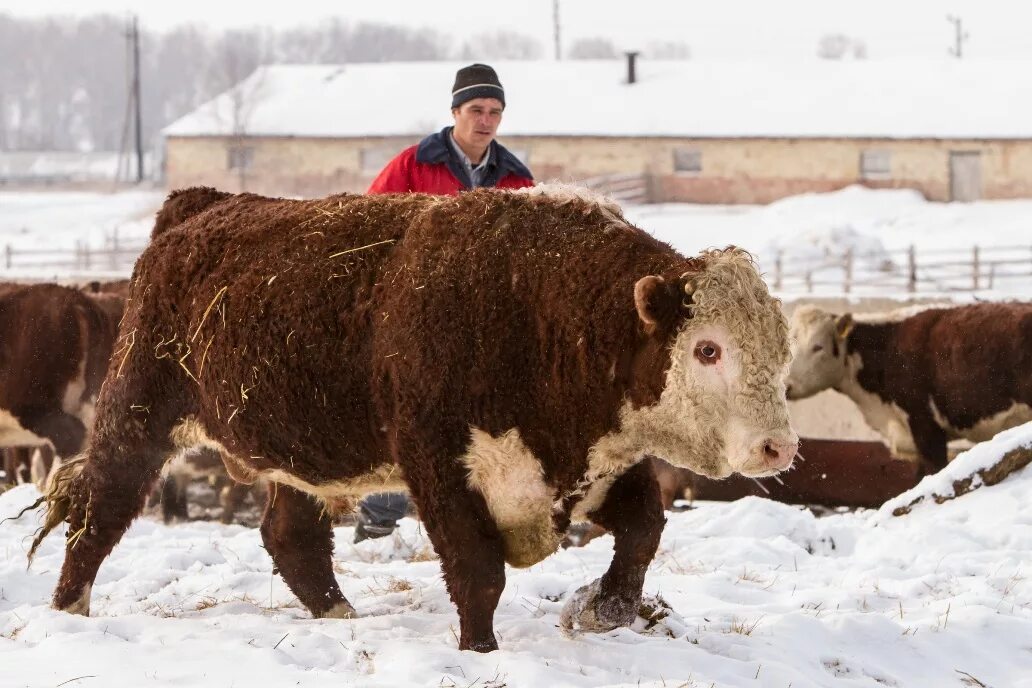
[923, 379]
[507, 357]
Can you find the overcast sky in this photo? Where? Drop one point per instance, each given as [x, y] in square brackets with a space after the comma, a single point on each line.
[731, 28]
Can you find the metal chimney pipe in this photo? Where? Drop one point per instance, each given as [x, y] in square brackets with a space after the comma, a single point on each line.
[632, 58]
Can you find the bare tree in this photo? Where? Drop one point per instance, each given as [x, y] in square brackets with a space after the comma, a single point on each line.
[501, 45]
[63, 81]
[668, 50]
[838, 46]
[593, 49]
[239, 54]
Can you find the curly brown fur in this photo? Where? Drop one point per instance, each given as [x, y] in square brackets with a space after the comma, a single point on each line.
[183, 204]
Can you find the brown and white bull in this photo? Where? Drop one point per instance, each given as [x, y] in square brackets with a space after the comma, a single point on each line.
[921, 379]
[507, 357]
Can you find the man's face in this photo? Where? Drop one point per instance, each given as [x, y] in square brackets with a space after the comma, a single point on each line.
[477, 120]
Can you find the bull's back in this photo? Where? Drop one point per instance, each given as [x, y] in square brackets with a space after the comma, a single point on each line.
[979, 358]
[260, 310]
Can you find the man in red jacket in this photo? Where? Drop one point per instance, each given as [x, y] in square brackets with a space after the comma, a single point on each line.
[464, 156]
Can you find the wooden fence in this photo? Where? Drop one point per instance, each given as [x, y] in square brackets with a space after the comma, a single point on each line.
[114, 256]
[910, 270]
[624, 188]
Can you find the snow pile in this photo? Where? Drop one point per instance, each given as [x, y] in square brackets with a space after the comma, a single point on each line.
[761, 593]
[966, 473]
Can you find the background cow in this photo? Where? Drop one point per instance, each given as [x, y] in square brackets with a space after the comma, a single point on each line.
[509, 357]
[55, 344]
[200, 464]
[923, 379]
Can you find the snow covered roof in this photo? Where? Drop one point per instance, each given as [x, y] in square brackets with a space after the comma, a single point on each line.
[945, 98]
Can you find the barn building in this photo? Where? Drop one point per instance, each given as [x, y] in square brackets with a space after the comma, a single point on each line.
[692, 131]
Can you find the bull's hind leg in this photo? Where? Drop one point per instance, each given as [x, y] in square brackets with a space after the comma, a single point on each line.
[299, 537]
[102, 492]
[633, 512]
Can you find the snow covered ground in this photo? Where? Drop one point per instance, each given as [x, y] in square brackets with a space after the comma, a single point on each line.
[811, 232]
[43, 229]
[763, 594]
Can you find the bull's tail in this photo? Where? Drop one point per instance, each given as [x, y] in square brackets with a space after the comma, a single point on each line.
[58, 499]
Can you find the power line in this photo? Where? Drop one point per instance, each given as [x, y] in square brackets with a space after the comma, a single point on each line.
[555, 24]
[136, 99]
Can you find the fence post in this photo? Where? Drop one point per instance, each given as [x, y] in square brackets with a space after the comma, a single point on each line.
[911, 269]
[992, 275]
[778, 266]
[809, 281]
[113, 262]
[975, 268]
[9, 256]
[849, 271]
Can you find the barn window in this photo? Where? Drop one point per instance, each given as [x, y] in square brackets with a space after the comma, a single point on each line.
[688, 160]
[875, 164]
[239, 157]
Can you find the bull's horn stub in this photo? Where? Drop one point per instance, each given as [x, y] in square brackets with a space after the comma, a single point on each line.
[689, 284]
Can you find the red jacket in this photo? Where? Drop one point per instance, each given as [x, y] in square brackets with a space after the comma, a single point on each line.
[433, 167]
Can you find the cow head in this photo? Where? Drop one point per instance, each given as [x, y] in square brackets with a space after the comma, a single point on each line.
[818, 351]
[722, 409]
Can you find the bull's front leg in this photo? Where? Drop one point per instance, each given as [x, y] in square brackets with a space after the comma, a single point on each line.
[461, 528]
[298, 535]
[930, 440]
[633, 512]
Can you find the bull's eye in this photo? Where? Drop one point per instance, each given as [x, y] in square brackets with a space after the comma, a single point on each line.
[707, 352]
[817, 348]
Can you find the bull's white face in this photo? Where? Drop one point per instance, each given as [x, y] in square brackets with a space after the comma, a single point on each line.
[818, 352]
[723, 408]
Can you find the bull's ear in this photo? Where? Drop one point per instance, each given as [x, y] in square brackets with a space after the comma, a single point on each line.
[656, 302]
[843, 325]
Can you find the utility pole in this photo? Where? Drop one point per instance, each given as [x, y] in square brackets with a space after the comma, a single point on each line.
[959, 36]
[135, 37]
[555, 24]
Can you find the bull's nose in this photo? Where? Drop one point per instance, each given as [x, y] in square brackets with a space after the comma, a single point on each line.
[778, 454]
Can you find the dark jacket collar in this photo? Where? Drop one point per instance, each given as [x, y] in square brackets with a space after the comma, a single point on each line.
[435, 150]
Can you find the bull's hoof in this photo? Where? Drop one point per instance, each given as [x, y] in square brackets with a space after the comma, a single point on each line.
[588, 612]
[341, 610]
[80, 605]
[486, 645]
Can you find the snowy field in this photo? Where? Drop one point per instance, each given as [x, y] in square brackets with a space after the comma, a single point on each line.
[810, 231]
[762, 594]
